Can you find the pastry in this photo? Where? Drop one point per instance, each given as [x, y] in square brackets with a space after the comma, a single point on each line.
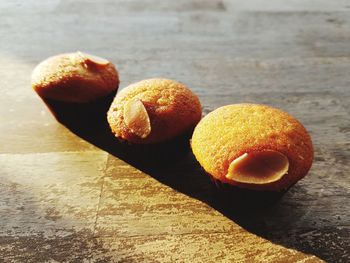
[253, 146]
[153, 111]
[76, 87]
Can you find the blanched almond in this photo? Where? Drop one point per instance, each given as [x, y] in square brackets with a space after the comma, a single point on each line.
[93, 59]
[136, 118]
[258, 167]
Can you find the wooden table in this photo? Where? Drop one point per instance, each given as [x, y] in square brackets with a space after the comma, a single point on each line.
[72, 198]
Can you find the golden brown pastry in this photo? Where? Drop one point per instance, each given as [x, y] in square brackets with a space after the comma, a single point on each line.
[154, 110]
[253, 146]
[76, 83]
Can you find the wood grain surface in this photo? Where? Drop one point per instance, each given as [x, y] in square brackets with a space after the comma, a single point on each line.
[72, 195]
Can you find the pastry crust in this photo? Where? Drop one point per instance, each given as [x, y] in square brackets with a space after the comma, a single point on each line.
[75, 77]
[172, 109]
[234, 130]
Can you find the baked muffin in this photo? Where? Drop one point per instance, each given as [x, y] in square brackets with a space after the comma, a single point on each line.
[253, 146]
[153, 111]
[76, 87]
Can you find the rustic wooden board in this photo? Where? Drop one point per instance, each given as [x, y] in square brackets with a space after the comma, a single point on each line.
[77, 197]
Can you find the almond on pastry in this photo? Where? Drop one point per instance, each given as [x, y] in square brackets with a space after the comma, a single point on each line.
[76, 86]
[253, 146]
[153, 110]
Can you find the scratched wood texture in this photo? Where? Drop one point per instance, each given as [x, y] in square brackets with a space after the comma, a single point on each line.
[81, 197]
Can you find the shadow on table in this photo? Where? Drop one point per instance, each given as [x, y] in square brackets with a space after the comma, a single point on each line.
[265, 214]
